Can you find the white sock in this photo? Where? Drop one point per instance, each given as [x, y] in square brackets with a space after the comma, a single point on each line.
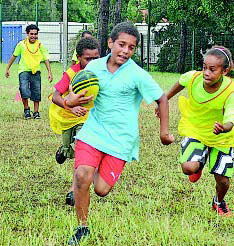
[215, 201]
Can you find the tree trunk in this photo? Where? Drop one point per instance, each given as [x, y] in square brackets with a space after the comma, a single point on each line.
[103, 25]
[183, 49]
[118, 6]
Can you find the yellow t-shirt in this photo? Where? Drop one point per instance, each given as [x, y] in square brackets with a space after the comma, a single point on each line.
[24, 66]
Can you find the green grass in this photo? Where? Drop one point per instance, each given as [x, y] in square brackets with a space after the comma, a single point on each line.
[152, 204]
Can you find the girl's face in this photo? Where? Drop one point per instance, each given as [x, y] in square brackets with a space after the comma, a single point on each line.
[213, 70]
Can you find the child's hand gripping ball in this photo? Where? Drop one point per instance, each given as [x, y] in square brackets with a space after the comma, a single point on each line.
[85, 80]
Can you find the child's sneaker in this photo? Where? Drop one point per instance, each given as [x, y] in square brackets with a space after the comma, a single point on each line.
[59, 156]
[80, 232]
[221, 208]
[70, 198]
[195, 177]
[27, 114]
[36, 115]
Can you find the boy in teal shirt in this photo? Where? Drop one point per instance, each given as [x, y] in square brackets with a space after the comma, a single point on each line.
[110, 136]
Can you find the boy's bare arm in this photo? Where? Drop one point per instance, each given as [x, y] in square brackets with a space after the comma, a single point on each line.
[222, 128]
[50, 76]
[12, 59]
[165, 137]
[58, 100]
[176, 88]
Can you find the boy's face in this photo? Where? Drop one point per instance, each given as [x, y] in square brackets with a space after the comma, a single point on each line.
[122, 48]
[87, 56]
[32, 36]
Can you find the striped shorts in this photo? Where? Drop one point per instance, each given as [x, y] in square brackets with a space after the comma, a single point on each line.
[220, 160]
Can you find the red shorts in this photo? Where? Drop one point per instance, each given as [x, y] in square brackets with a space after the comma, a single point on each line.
[109, 167]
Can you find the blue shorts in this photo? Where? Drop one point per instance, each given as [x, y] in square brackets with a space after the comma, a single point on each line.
[30, 85]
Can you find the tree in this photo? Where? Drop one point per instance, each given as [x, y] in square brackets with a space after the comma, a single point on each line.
[118, 7]
[103, 25]
[206, 15]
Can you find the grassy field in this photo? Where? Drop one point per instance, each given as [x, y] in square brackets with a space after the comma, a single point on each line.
[153, 203]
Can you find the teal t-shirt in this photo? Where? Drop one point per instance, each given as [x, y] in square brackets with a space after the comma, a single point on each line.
[112, 125]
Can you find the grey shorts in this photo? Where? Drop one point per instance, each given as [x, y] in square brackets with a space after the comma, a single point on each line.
[30, 85]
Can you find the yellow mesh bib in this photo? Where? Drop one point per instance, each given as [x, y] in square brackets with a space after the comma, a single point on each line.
[32, 58]
[62, 119]
[198, 119]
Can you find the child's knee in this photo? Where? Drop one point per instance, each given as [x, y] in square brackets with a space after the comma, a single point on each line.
[223, 181]
[189, 168]
[83, 177]
[101, 192]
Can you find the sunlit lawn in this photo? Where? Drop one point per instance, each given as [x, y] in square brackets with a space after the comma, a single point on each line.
[153, 204]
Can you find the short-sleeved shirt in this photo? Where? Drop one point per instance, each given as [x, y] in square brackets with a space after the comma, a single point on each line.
[112, 125]
[19, 50]
[201, 95]
[64, 83]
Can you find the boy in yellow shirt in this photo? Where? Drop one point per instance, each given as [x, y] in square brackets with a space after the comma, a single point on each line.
[32, 52]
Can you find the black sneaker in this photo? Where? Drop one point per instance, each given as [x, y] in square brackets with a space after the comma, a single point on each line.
[59, 156]
[27, 114]
[36, 115]
[70, 198]
[80, 232]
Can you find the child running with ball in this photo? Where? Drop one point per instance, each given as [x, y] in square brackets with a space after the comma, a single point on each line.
[110, 136]
[207, 118]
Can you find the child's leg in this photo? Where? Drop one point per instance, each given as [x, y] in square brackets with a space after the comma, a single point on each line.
[221, 165]
[25, 92]
[66, 139]
[108, 174]
[87, 159]
[193, 158]
[83, 178]
[35, 86]
[36, 106]
[222, 186]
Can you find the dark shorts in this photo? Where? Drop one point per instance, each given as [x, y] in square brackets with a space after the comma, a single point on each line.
[30, 85]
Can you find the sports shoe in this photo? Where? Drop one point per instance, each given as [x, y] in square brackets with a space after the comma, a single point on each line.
[70, 198]
[196, 176]
[36, 115]
[59, 156]
[222, 208]
[27, 114]
[80, 232]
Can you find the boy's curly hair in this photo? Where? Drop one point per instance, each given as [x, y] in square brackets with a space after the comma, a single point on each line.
[125, 27]
[86, 43]
[32, 27]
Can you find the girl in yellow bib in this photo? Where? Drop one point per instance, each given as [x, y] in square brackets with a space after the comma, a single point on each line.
[207, 118]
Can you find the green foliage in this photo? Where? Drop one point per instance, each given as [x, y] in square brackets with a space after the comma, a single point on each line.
[209, 19]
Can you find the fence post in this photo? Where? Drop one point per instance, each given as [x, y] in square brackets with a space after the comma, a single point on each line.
[37, 13]
[193, 49]
[64, 35]
[148, 35]
[142, 50]
[0, 31]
